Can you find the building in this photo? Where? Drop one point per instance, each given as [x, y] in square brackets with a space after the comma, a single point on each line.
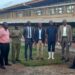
[39, 11]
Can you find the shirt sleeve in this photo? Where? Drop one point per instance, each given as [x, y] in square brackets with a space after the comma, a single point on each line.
[1, 32]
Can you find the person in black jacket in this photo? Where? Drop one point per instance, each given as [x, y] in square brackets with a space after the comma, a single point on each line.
[28, 34]
[51, 38]
[40, 40]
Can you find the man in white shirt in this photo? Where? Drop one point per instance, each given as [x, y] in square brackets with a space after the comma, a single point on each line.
[64, 31]
[28, 34]
[40, 40]
[65, 39]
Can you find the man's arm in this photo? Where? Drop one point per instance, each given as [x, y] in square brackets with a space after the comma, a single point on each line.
[24, 32]
[46, 35]
[70, 34]
[59, 34]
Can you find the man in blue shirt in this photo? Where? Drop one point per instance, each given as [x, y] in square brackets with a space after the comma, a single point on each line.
[51, 38]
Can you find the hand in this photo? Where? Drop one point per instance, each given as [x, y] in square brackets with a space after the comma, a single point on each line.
[34, 43]
[69, 43]
[59, 41]
[46, 41]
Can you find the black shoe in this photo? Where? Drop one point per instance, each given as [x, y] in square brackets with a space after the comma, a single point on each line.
[42, 58]
[67, 60]
[8, 64]
[62, 58]
[31, 58]
[2, 67]
[26, 59]
[72, 67]
[13, 62]
[17, 60]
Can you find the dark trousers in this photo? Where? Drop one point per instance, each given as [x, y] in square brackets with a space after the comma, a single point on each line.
[51, 46]
[4, 52]
[28, 44]
[65, 48]
[73, 64]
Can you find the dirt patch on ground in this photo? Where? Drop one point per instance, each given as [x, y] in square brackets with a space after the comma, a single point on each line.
[19, 69]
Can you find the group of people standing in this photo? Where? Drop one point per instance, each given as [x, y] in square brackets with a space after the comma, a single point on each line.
[50, 35]
[39, 36]
[7, 38]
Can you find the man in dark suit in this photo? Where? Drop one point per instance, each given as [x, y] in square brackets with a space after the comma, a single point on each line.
[51, 38]
[28, 34]
[40, 40]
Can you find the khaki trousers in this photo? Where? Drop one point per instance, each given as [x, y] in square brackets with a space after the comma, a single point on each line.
[15, 51]
[40, 46]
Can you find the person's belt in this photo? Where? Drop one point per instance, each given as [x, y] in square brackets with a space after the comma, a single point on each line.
[64, 36]
[29, 38]
[40, 39]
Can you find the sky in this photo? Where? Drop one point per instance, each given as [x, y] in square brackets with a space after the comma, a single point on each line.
[7, 3]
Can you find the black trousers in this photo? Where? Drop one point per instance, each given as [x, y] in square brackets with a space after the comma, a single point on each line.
[4, 52]
[73, 64]
[28, 44]
[51, 46]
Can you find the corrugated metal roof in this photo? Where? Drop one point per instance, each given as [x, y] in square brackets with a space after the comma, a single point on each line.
[32, 4]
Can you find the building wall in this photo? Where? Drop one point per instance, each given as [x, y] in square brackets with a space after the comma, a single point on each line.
[41, 14]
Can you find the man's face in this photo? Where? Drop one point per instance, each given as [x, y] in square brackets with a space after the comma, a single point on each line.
[40, 25]
[5, 26]
[64, 22]
[29, 24]
[16, 27]
[51, 22]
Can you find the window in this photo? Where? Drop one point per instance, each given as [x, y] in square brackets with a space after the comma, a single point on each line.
[51, 11]
[39, 12]
[59, 10]
[27, 13]
[70, 9]
[18, 14]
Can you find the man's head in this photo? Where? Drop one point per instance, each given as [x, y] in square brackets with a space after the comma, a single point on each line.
[39, 25]
[65, 22]
[5, 25]
[51, 22]
[28, 23]
[16, 27]
[0, 25]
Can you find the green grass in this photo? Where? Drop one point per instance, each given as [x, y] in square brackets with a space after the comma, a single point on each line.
[38, 62]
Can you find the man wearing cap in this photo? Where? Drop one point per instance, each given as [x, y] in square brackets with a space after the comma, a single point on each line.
[16, 43]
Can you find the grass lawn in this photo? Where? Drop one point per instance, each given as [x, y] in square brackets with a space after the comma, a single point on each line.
[38, 62]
